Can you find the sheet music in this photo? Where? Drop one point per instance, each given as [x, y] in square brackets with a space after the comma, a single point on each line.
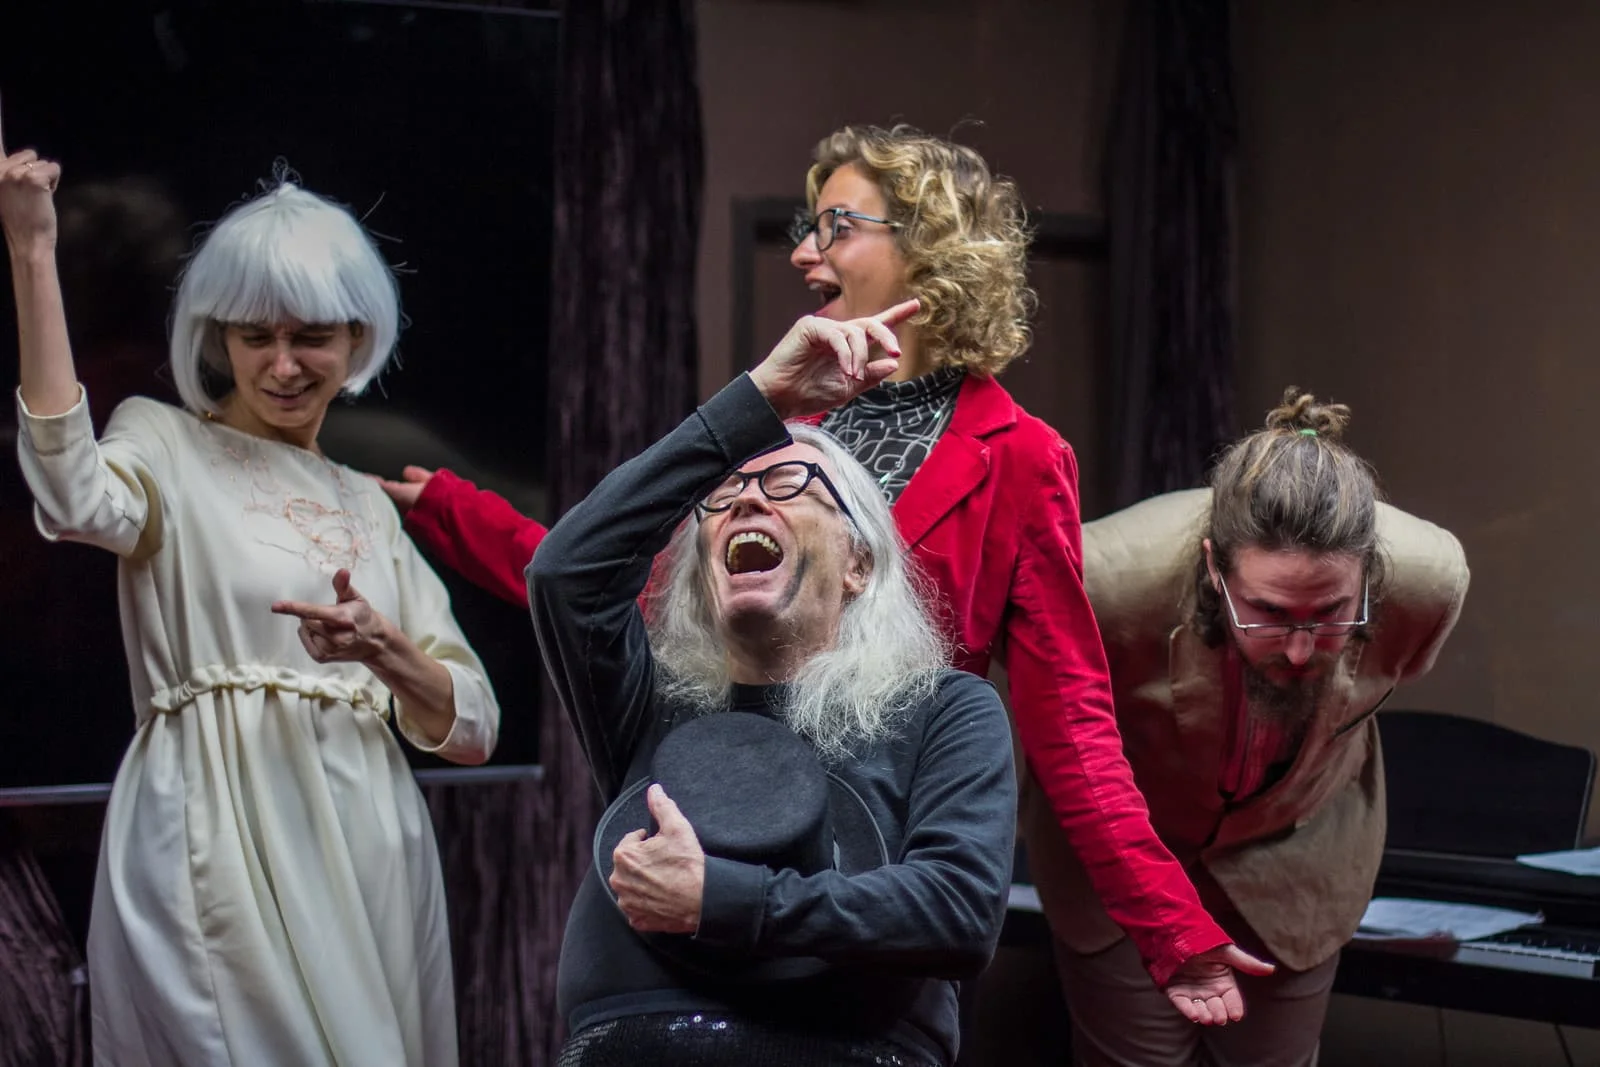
[1584, 861]
[1399, 918]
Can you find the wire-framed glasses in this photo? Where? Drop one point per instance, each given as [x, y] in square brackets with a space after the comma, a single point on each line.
[779, 482]
[1342, 628]
[826, 225]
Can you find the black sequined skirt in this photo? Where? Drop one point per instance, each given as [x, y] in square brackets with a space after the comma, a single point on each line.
[709, 1039]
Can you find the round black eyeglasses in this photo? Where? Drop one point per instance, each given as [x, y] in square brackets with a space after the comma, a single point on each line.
[779, 482]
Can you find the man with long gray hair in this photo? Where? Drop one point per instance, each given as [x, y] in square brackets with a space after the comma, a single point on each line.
[810, 815]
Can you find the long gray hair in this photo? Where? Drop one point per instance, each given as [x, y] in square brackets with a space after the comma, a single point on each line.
[888, 656]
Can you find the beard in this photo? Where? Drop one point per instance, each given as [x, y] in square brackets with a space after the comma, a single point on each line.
[1291, 700]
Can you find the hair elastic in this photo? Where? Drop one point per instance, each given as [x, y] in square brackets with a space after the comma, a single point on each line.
[1308, 432]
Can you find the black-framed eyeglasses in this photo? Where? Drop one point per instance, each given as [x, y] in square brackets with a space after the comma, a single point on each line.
[826, 225]
[779, 482]
[1343, 628]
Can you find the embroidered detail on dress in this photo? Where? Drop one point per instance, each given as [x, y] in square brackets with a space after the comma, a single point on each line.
[334, 537]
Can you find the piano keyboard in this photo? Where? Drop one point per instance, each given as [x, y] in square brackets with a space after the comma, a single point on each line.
[1539, 951]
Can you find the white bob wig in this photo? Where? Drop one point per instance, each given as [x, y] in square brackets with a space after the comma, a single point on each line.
[287, 254]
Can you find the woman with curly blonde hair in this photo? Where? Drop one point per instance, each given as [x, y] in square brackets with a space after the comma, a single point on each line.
[984, 494]
[960, 231]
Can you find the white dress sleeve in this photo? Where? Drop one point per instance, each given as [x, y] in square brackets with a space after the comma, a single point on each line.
[104, 493]
[426, 618]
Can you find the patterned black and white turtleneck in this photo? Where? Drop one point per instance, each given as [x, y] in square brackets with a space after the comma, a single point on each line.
[892, 427]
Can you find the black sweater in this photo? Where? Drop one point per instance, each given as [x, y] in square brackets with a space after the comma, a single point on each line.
[942, 790]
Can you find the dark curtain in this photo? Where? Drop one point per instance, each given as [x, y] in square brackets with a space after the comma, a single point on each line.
[1169, 224]
[43, 1017]
[628, 170]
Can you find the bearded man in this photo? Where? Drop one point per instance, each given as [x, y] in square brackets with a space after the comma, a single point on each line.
[1252, 629]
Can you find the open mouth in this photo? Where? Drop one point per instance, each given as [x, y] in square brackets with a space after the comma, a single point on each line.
[752, 553]
[826, 292]
[288, 396]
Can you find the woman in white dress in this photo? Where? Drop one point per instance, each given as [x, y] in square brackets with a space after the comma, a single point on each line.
[269, 890]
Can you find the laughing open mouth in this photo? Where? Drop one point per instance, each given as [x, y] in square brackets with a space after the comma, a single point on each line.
[826, 293]
[752, 552]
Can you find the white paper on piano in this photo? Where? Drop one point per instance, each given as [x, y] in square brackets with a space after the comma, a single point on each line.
[1398, 918]
[1577, 861]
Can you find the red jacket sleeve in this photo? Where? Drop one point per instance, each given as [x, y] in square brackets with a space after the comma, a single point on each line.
[1062, 705]
[477, 534]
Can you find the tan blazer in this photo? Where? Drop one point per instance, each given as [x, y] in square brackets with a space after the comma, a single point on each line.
[1298, 861]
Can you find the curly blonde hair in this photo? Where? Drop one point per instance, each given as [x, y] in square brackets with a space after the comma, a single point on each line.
[963, 233]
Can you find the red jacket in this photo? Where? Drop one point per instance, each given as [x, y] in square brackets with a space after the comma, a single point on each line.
[992, 519]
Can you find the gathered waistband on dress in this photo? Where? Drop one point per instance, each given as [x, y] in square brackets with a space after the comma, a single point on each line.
[252, 676]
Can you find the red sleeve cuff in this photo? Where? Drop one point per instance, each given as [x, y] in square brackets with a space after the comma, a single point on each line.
[426, 521]
[1202, 937]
